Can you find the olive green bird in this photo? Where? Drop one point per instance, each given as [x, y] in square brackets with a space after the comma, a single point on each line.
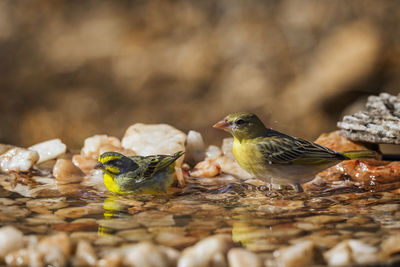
[138, 174]
[266, 153]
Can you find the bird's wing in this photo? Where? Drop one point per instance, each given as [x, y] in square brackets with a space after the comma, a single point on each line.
[153, 164]
[287, 150]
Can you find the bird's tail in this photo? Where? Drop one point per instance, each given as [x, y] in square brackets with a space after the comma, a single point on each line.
[359, 154]
[178, 154]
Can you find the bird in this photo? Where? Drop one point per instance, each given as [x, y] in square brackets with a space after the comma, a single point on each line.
[152, 174]
[268, 154]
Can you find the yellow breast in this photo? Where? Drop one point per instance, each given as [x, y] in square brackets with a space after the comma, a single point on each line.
[247, 156]
[111, 185]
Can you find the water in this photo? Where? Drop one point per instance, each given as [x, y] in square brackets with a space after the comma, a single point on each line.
[257, 219]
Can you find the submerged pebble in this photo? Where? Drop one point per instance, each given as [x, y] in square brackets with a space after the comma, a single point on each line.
[240, 257]
[10, 239]
[298, 255]
[66, 172]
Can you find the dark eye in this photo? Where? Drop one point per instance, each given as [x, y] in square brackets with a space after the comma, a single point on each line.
[240, 122]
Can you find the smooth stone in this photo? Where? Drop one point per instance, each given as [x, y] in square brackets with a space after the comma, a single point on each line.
[15, 211]
[298, 255]
[5, 148]
[44, 219]
[363, 253]
[85, 254]
[47, 203]
[6, 201]
[108, 240]
[66, 172]
[84, 163]
[339, 255]
[207, 168]
[240, 257]
[93, 145]
[153, 139]
[119, 223]
[135, 235]
[390, 245]
[154, 218]
[149, 254]
[72, 212]
[213, 152]
[18, 160]
[89, 236]
[176, 240]
[10, 239]
[226, 147]
[48, 150]
[324, 219]
[195, 149]
[210, 250]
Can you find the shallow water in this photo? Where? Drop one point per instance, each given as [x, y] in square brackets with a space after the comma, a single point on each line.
[259, 220]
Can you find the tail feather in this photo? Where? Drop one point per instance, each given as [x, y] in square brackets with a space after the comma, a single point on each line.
[178, 154]
[359, 154]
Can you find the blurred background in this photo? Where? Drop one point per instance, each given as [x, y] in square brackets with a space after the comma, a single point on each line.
[71, 69]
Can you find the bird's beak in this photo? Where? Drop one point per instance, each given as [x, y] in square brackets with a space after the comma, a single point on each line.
[222, 124]
[99, 165]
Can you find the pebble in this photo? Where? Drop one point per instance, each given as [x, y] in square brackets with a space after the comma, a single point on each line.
[195, 149]
[207, 252]
[363, 253]
[226, 147]
[48, 150]
[149, 255]
[72, 212]
[135, 235]
[390, 245]
[66, 172]
[84, 163]
[10, 239]
[240, 257]
[85, 254]
[18, 160]
[176, 240]
[119, 223]
[208, 168]
[324, 219]
[298, 255]
[154, 218]
[47, 203]
[97, 144]
[153, 139]
[213, 152]
[44, 219]
[5, 148]
[339, 255]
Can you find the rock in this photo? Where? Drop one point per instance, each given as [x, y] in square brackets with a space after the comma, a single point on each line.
[300, 254]
[176, 240]
[135, 235]
[4, 148]
[47, 203]
[50, 149]
[154, 218]
[324, 219]
[207, 252]
[240, 257]
[366, 173]
[390, 245]
[72, 212]
[195, 149]
[150, 255]
[351, 251]
[152, 139]
[10, 239]
[363, 253]
[227, 144]
[66, 172]
[85, 254]
[338, 143]
[213, 152]
[207, 168]
[339, 255]
[378, 123]
[97, 144]
[84, 163]
[18, 160]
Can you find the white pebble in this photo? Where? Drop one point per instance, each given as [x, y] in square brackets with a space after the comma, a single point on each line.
[152, 139]
[207, 252]
[194, 148]
[97, 144]
[10, 239]
[339, 255]
[300, 254]
[50, 149]
[18, 160]
[240, 257]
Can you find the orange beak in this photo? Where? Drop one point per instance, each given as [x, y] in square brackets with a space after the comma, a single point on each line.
[222, 124]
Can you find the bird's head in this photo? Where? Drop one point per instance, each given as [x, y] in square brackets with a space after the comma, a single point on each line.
[242, 125]
[115, 163]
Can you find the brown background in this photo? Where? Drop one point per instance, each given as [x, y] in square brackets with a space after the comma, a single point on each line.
[71, 69]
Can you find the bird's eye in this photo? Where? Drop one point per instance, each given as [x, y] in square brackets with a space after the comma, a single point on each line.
[240, 122]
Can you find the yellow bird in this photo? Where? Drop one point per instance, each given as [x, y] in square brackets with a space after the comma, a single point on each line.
[138, 174]
[266, 153]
